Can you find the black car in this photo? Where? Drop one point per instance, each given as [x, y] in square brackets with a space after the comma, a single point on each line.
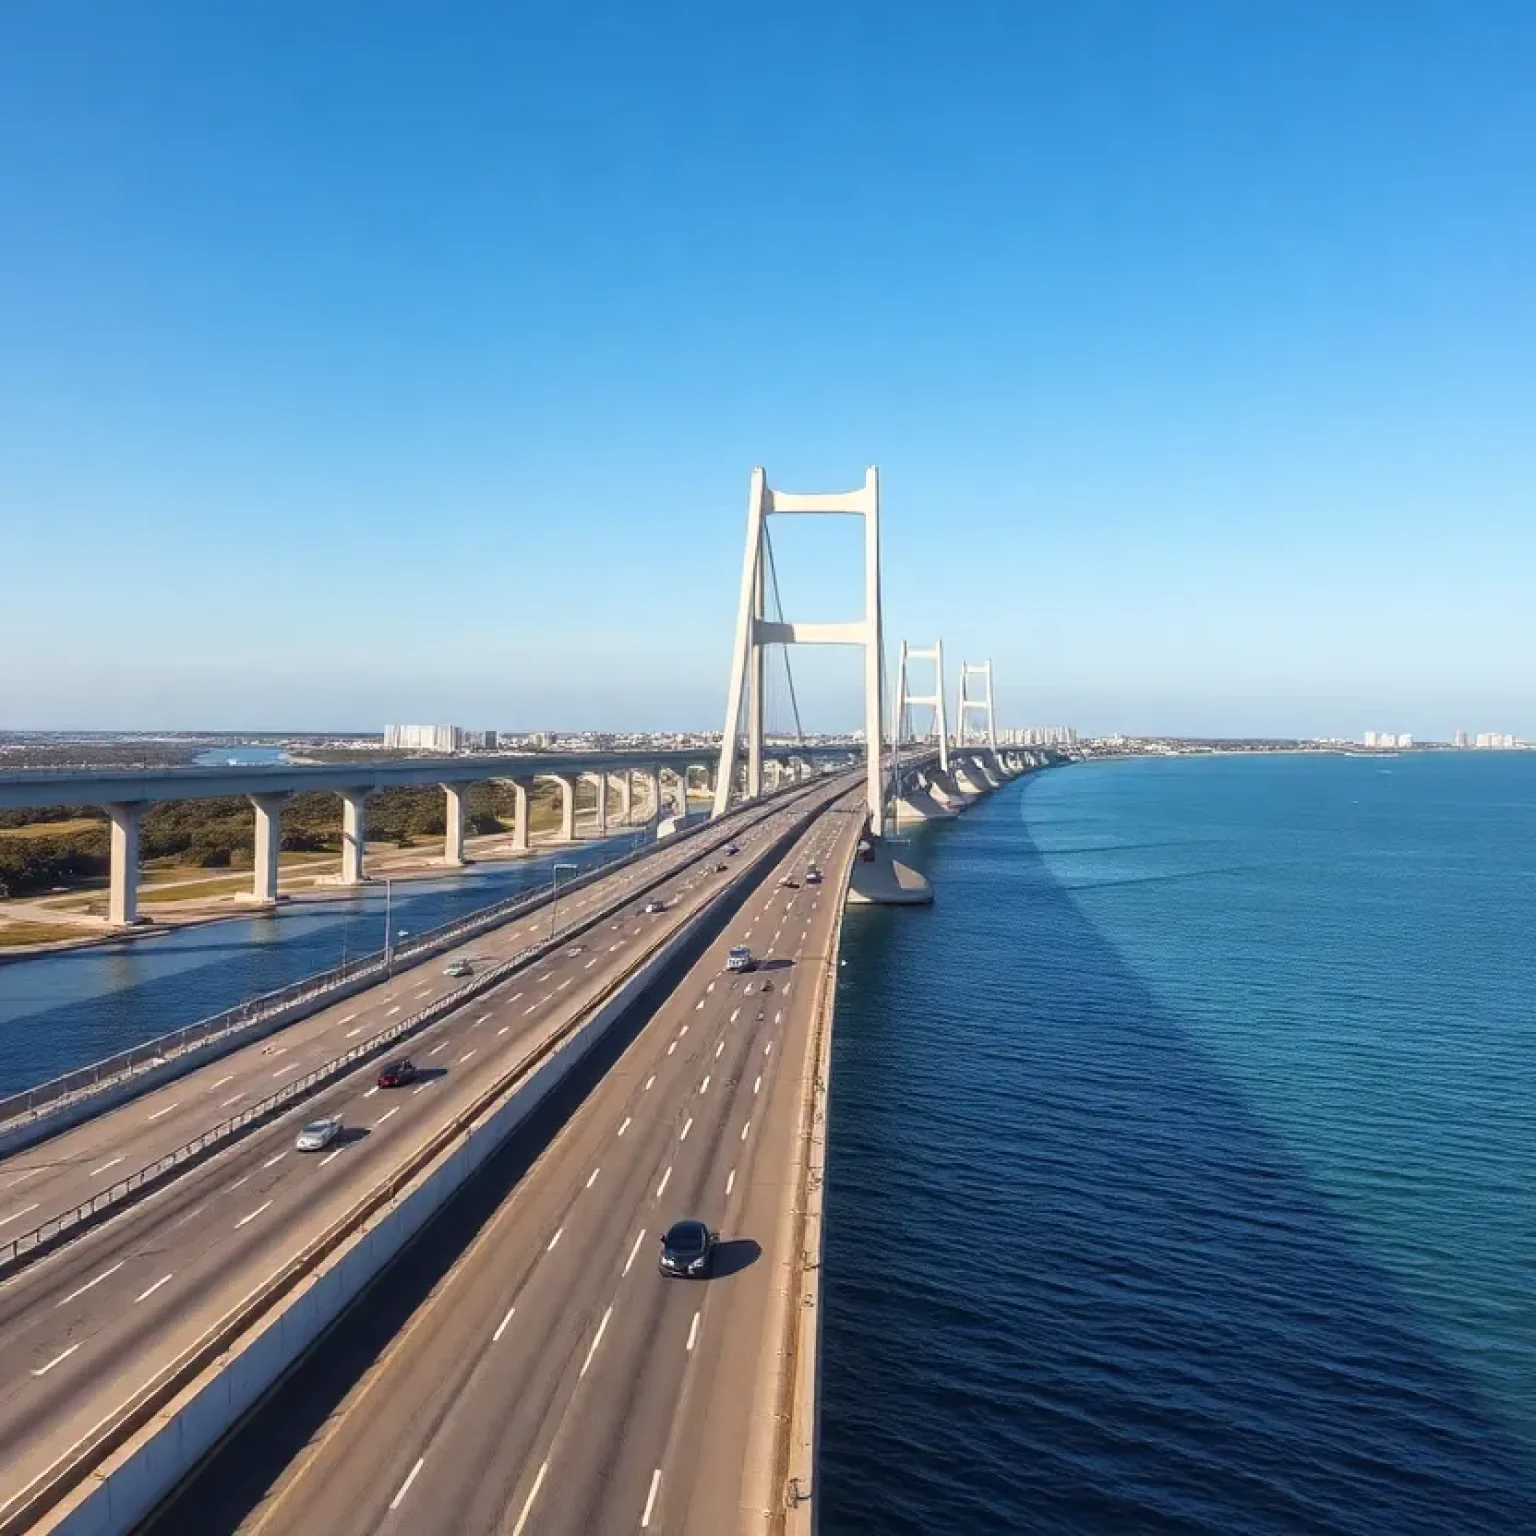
[396, 1074]
[687, 1248]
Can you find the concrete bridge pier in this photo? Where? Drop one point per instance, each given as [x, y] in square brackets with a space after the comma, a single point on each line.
[599, 782]
[453, 843]
[269, 842]
[626, 795]
[680, 792]
[353, 834]
[123, 888]
[520, 842]
[567, 807]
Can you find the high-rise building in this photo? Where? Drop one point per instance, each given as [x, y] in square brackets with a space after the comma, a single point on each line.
[423, 738]
[1461, 740]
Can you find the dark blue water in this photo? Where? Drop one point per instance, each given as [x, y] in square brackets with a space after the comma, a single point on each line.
[1183, 1159]
[62, 1010]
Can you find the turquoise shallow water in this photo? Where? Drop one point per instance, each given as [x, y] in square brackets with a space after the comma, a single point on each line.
[1183, 1167]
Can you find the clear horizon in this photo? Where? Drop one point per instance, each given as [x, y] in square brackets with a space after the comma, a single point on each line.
[386, 369]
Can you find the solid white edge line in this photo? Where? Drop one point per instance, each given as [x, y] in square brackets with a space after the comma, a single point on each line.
[410, 1478]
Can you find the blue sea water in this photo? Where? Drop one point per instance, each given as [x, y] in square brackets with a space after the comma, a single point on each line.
[1183, 1160]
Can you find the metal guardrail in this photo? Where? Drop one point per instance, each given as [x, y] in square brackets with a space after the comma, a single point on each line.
[30, 1104]
[48, 1233]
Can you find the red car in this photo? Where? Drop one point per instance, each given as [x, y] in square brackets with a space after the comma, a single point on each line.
[396, 1074]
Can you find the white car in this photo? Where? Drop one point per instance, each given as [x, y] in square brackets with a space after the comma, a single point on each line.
[651, 908]
[318, 1134]
[459, 968]
[739, 959]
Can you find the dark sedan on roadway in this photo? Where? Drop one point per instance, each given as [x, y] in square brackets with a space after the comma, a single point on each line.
[687, 1248]
[396, 1074]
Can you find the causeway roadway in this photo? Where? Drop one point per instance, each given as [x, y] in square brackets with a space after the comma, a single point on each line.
[554, 1381]
[83, 1328]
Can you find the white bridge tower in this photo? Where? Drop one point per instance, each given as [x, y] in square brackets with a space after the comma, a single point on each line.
[905, 698]
[754, 631]
[976, 698]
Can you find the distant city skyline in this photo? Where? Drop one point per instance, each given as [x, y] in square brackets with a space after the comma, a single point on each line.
[422, 380]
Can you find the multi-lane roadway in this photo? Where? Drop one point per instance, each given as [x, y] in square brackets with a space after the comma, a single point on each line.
[555, 1381]
[84, 1327]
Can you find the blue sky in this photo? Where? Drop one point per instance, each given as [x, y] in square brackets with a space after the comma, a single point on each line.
[363, 362]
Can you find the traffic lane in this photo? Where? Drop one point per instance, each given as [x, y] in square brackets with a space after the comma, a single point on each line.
[267, 1196]
[607, 1472]
[70, 1169]
[650, 1089]
[413, 986]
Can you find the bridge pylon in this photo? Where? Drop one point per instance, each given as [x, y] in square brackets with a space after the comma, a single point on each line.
[755, 631]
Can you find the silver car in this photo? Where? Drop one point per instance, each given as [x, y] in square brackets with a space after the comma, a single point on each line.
[318, 1134]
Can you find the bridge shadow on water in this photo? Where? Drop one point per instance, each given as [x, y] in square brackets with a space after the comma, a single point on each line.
[1074, 1283]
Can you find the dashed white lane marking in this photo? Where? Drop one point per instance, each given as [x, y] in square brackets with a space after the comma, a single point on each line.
[590, 963]
[672, 1047]
[410, 1477]
[501, 1327]
[280, 1156]
[229, 1078]
[710, 987]
[370, 1093]
[43, 1370]
[253, 1215]
[625, 1126]
[720, 1047]
[662, 1186]
[757, 1086]
[730, 1181]
[597, 1339]
[778, 1016]
[436, 1048]
[111, 1162]
[388, 1012]
[613, 947]
[106, 1274]
[504, 1028]
[347, 1020]
[639, 1238]
[484, 1018]
[533, 1493]
[704, 1086]
[385, 1116]
[330, 1157]
[351, 1033]
[747, 1127]
[699, 1006]
[465, 1057]
[422, 1089]
[423, 991]
[683, 1135]
[735, 1014]
[650, 1498]
[592, 1177]
[555, 1239]
[161, 1113]
[648, 1083]
[683, 1031]
[514, 997]
[238, 1182]
[292, 1066]
[145, 1295]
[768, 1049]
[693, 1333]
[749, 989]
[534, 1009]
[564, 984]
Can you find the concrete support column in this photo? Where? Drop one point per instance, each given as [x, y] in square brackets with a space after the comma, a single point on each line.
[599, 782]
[651, 778]
[682, 792]
[269, 841]
[520, 843]
[567, 809]
[353, 802]
[453, 842]
[626, 795]
[123, 895]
